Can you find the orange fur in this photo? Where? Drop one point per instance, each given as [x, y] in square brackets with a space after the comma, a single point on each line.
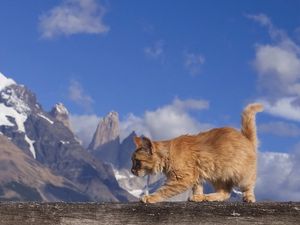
[224, 157]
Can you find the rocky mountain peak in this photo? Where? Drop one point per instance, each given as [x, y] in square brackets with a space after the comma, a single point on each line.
[107, 131]
[17, 97]
[48, 143]
[60, 112]
[17, 103]
[59, 108]
[4, 81]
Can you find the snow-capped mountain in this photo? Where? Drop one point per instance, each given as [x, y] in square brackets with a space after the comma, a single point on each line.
[16, 104]
[47, 138]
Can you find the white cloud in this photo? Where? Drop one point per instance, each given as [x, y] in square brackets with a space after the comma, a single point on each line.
[265, 21]
[133, 123]
[278, 176]
[261, 18]
[84, 127]
[190, 104]
[193, 62]
[278, 67]
[73, 17]
[273, 170]
[292, 183]
[278, 61]
[168, 121]
[156, 51]
[165, 122]
[78, 95]
[285, 107]
[280, 128]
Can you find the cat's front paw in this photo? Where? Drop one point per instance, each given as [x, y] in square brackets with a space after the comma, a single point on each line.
[249, 199]
[197, 198]
[150, 199]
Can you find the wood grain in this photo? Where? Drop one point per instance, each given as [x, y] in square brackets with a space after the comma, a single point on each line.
[162, 213]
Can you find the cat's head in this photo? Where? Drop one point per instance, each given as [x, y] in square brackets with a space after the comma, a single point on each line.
[143, 158]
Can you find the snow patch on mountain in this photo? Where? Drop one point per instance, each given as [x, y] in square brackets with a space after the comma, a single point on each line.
[6, 112]
[136, 192]
[137, 186]
[4, 81]
[124, 178]
[124, 174]
[60, 108]
[46, 118]
[31, 147]
[14, 101]
[5, 96]
[3, 116]
[60, 113]
[14, 111]
[20, 118]
[65, 142]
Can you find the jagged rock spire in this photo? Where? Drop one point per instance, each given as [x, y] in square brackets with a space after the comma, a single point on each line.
[60, 112]
[107, 130]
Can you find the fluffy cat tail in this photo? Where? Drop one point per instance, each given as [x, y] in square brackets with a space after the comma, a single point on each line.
[248, 122]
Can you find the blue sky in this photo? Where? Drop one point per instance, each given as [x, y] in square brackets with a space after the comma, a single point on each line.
[186, 65]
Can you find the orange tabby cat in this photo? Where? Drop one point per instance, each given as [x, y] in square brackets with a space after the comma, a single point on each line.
[225, 157]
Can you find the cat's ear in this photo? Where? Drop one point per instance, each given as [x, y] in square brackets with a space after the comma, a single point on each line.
[144, 143]
[147, 144]
[137, 141]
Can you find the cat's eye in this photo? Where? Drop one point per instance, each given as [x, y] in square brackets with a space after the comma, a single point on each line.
[138, 164]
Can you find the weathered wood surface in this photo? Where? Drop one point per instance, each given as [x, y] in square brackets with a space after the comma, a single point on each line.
[136, 213]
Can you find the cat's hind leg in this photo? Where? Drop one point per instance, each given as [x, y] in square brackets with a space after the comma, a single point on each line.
[222, 193]
[247, 187]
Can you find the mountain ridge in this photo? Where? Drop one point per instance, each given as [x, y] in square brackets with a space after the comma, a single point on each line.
[47, 138]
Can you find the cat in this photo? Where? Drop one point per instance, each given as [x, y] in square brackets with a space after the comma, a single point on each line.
[225, 157]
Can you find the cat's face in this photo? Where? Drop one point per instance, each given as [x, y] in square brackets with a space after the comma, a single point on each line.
[142, 158]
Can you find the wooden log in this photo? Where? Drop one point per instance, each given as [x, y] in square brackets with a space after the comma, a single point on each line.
[137, 213]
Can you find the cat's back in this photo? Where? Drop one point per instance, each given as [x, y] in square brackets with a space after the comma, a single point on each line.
[226, 145]
[216, 140]
[222, 134]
